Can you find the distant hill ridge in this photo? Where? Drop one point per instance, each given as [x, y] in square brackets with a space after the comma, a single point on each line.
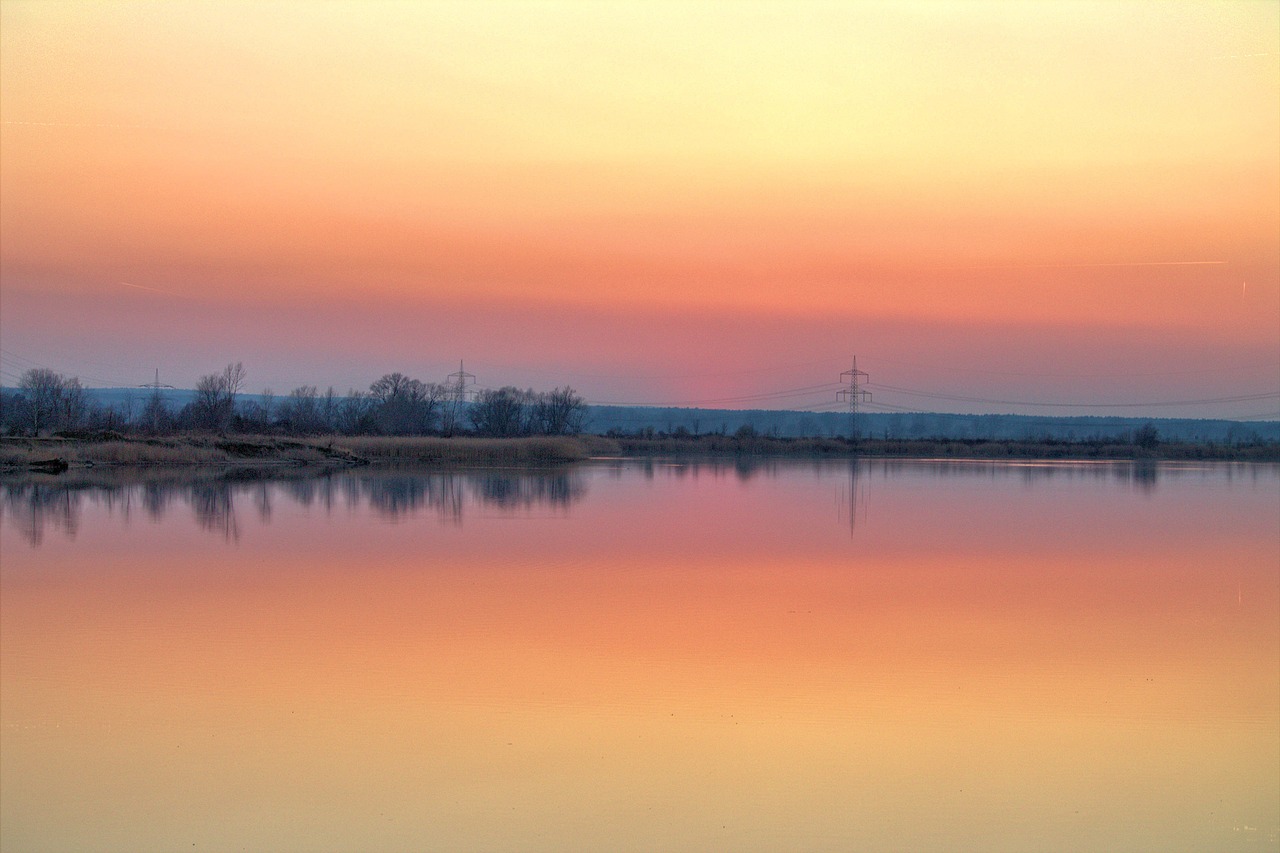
[793, 424]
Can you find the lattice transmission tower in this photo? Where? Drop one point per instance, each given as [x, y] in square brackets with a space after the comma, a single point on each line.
[156, 385]
[458, 387]
[459, 383]
[153, 414]
[854, 394]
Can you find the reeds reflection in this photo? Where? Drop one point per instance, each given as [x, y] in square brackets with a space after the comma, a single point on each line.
[217, 503]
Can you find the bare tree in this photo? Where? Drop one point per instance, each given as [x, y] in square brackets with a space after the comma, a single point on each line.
[102, 417]
[208, 409]
[429, 404]
[233, 377]
[13, 411]
[215, 402]
[329, 410]
[355, 415]
[406, 406]
[559, 412]
[502, 412]
[42, 389]
[301, 410]
[391, 386]
[267, 403]
[72, 407]
[156, 417]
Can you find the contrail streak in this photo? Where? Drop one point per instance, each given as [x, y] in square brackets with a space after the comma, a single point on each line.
[75, 124]
[1141, 264]
[155, 290]
[1090, 265]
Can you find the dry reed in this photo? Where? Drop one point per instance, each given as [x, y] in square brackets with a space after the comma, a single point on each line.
[199, 449]
[433, 450]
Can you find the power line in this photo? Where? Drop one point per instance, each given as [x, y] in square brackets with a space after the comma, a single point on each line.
[1231, 369]
[649, 377]
[890, 406]
[12, 356]
[788, 392]
[965, 399]
[29, 364]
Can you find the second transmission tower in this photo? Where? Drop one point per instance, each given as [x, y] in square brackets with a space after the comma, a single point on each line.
[155, 386]
[459, 382]
[457, 388]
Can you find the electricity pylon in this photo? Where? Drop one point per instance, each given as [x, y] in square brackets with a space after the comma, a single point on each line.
[155, 386]
[854, 394]
[456, 385]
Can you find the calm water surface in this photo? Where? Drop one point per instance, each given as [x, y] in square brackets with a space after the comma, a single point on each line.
[646, 656]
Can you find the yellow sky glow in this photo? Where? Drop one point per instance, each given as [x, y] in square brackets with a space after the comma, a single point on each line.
[761, 157]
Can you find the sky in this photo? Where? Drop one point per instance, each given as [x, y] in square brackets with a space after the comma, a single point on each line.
[1036, 207]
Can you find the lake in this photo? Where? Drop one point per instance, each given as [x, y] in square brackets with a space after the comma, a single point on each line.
[645, 655]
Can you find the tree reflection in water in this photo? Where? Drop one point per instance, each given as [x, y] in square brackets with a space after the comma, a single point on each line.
[32, 504]
[215, 509]
[34, 507]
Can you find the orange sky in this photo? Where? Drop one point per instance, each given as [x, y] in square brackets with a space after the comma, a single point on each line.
[1001, 187]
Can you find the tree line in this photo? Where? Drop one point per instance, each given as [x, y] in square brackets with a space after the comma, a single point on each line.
[46, 402]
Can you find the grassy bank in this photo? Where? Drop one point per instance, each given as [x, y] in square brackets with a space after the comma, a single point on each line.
[184, 450]
[264, 451]
[433, 450]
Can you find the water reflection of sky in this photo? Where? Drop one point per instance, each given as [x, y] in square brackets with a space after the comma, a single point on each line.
[31, 506]
[655, 654]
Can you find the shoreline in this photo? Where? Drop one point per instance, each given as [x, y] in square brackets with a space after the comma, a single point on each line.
[264, 453]
[945, 448]
[205, 451]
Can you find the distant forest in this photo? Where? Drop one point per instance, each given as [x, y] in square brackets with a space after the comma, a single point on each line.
[46, 402]
[676, 422]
